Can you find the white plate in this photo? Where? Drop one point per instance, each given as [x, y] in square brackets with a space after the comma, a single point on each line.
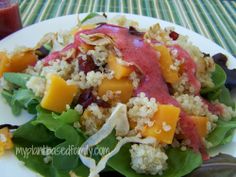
[9, 165]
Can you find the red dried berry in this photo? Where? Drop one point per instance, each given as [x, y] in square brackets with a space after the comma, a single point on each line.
[173, 35]
[86, 98]
[103, 104]
[87, 65]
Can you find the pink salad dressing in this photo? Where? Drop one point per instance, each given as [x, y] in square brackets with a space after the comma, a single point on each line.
[143, 56]
[189, 67]
[135, 50]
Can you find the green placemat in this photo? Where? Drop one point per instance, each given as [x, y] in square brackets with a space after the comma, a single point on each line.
[214, 19]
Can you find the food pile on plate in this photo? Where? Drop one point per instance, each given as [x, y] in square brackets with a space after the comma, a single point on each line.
[151, 98]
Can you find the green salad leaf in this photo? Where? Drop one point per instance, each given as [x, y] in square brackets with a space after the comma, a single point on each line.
[18, 79]
[69, 116]
[34, 134]
[184, 160]
[90, 16]
[21, 99]
[218, 78]
[62, 130]
[226, 98]
[49, 130]
[16, 107]
[222, 133]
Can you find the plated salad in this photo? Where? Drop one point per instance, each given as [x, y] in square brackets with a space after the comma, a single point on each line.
[109, 97]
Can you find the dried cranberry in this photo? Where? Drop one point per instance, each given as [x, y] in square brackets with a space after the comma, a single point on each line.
[86, 98]
[173, 35]
[103, 104]
[87, 65]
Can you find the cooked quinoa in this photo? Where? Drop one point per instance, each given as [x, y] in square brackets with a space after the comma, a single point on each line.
[86, 68]
[147, 159]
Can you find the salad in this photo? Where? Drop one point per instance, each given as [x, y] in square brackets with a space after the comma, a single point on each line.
[108, 97]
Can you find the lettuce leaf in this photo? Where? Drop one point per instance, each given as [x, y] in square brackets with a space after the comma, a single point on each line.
[223, 132]
[48, 130]
[177, 159]
[21, 99]
[218, 78]
[18, 79]
[70, 116]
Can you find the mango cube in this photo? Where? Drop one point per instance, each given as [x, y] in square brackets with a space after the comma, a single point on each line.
[123, 85]
[120, 70]
[16, 63]
[201, 124]
[5, 139]
[165, 121]
[58, 94]
[4, 64]
[170, 75]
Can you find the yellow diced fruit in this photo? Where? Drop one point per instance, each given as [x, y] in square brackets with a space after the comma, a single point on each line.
[5, 138]
[120, 70]
[16, 63]
[58, 94]
[201, 124]
[165, 121]
[170, 75]
[123, 85]
[4, 63]
[20, 61]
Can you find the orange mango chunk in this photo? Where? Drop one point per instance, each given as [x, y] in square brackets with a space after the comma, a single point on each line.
[170, 75]
[165, 121]
[123, 85]
[5, 139]
[4, 63]
[58, 94]
[16, 63]
[120, 70]
[201, 124]
[20, 61]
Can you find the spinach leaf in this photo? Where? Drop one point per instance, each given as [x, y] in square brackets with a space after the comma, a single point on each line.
[70, 116]
[46, 130]
[224, 129]
[34, 134]
[37, 164]
[65, 161]
[15, 106]
[7, 95]
[66, 132]
[177, 159]
[19, 79]
[26, 99]
[218, 78]
[21, 99]
[226, 98]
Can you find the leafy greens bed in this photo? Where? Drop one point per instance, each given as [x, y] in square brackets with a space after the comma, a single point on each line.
[51, 133]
